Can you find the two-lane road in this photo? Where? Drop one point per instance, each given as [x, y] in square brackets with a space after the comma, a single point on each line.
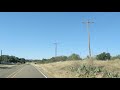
[23, 71]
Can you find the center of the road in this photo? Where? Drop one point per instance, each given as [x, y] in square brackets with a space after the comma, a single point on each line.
[15, 73]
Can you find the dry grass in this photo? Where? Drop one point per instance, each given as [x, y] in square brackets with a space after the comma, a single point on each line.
[68, 69]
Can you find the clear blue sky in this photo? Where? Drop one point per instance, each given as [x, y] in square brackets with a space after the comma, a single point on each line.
[31, 34]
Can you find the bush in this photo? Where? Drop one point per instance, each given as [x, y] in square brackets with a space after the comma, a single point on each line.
[61, 58]
[74, 57]
[88, 71]
[103, 56]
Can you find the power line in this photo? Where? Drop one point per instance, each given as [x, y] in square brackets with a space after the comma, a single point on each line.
[87, 25]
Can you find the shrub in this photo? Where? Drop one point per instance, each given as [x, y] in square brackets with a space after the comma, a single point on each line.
[88, 71]
[103, 56]
[74, 57]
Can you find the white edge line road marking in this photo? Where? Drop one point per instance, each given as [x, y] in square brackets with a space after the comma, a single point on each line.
[40, 72]
[14, 73]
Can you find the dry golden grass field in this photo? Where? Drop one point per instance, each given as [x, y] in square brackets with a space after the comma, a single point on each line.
[82, 69]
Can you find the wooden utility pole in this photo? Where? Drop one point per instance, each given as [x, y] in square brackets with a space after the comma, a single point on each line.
[87, 23]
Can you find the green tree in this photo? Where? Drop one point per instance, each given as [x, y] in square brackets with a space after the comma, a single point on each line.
[10, 59]
[74, 57]
[1, 59]
[103, 56]
[63, 58]
[108, 56]
[22, 60]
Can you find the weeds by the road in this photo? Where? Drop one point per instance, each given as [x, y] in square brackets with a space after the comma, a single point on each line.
[83, 69]
[89, 71]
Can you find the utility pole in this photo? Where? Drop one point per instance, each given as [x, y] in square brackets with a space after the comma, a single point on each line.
[87, 24]
[55, 49]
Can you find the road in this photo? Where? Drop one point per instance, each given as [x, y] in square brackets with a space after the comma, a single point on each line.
[22, 71]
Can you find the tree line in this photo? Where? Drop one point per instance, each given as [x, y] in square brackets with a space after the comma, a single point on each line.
[14, 59]
[101, 56]
[60, 58]
[11, 59]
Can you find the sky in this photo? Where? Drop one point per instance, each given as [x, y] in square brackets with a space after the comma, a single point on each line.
[32, 35]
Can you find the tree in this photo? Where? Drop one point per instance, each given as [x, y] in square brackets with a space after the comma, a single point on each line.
[1, 59]
[74, 57]
[108, 56]
[103, 56]
[63, 58]
[11, 59]
[60, 58]
[44, 59]
[22, 60]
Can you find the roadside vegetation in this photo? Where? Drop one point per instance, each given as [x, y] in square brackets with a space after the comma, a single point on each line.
[6, 59]
[73, 66]
[59, 59]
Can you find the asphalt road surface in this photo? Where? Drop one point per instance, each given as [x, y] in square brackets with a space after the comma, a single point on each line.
[21, 71]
